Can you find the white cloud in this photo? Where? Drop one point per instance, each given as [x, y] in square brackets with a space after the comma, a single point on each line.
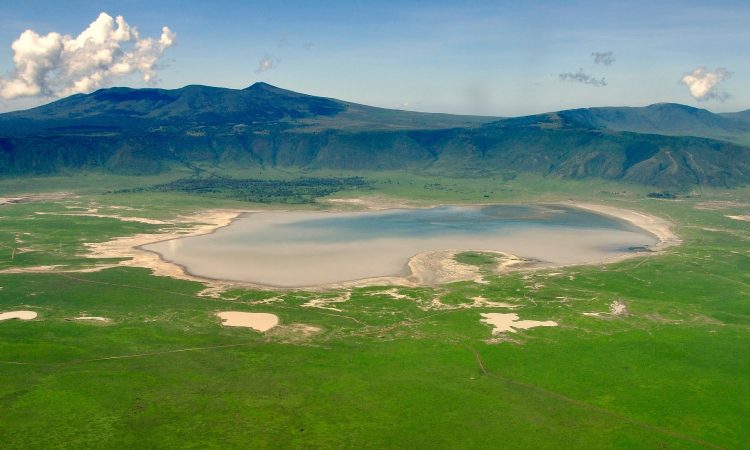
[703, 83]
[266, 63]
[605, 58]
[59, 65]
[582, 77]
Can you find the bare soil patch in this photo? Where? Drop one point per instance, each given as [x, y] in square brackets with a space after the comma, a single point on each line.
[93, 319]
[510, 322]
[257, 321]
[20, 315]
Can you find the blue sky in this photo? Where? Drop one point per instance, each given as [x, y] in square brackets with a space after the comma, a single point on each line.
[492, 58]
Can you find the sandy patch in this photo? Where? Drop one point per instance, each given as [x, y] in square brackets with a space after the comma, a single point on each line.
[440, 267]
[716, 205]
[436, 304]
[127, 246]
[481, 302]
[325, 303]
[743, 217]
[303, 329]
[294, 333]
[257, 321]
[298, 329]
[616, 308]
[27, 198]
[510, 323]
[426, 269]
[373, 203]
[92, 318]
[32, 269]
[108, 216]
[506, 262]
[392, 293]
[20, 315]
[267, 301]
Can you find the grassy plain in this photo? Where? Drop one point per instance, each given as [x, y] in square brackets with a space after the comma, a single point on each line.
[384, 372]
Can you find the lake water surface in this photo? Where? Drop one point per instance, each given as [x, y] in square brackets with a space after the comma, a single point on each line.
[293, 248]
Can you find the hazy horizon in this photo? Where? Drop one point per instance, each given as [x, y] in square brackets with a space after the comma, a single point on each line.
[700, 106]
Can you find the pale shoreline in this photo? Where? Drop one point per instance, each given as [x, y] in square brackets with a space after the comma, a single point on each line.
[428, 268]
[657, 226]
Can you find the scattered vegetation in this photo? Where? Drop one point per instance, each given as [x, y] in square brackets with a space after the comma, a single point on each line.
[295, 191]
[663, 195]
[480, 259]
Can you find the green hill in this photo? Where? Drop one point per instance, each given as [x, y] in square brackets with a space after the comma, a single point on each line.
[666, 118]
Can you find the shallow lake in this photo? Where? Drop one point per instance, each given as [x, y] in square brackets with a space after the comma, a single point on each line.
[293, 248]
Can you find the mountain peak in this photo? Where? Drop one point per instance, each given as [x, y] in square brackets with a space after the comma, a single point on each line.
[260, 85]
[667, 106]
[264, 88]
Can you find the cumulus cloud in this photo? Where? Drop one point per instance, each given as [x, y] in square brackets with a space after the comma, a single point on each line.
[703, 83]
[582, 77]
[59, 65]
[266, 63]
[604, 58]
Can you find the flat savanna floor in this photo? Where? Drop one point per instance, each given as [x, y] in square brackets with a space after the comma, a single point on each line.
[389, 367]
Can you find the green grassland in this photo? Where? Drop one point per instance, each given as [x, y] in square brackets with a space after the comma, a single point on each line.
[382, 372]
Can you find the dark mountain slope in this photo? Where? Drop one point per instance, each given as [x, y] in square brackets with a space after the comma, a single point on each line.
[260, 104]
[151, 130]
[665, 161]
[663, 118]
[743, 116]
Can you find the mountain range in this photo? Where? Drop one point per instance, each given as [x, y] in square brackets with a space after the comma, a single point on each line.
[148, 131]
